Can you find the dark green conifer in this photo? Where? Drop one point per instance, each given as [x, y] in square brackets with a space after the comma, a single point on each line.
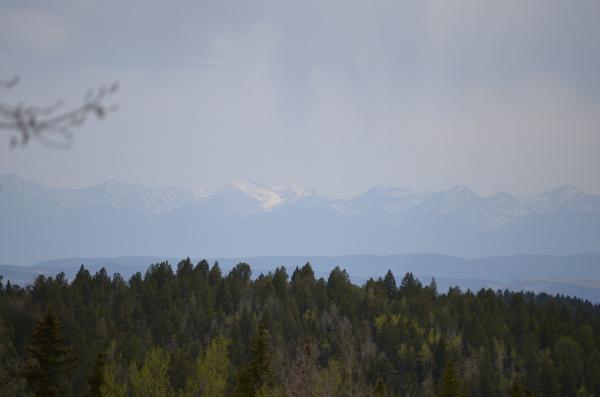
[389, 283]
[256, 379]
[50, 361]
[450, 384]
[96, 378]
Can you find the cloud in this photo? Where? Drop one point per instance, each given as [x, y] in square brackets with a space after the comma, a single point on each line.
[337, 95]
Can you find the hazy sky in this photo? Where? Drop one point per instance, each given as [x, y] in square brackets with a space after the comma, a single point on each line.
[336, 95]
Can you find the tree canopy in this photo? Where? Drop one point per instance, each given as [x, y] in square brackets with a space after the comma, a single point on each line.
[193, 330]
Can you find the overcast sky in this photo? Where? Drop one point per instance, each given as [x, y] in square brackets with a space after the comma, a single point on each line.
[335, 95]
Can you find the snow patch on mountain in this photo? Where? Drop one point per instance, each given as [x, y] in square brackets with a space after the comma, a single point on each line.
[271, 197]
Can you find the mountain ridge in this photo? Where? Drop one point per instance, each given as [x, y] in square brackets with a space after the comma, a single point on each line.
[253, 219]
[271, 197]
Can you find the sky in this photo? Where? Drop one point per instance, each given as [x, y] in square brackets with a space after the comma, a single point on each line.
[335, 95]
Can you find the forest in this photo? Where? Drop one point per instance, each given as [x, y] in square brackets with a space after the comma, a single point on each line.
[192, 330]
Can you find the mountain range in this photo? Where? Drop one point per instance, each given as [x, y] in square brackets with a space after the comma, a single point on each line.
[247, 218]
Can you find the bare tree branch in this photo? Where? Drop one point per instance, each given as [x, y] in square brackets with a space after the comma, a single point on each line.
[51, 125]
[10, 83]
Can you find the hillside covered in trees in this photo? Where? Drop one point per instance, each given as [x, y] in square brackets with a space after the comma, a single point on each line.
[193, 331]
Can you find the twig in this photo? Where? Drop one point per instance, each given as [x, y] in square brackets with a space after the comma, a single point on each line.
[48, 124]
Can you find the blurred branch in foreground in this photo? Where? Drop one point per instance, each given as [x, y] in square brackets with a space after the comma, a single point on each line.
[52, 125]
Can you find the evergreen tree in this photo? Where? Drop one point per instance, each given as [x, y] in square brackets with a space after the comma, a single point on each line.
[450, 385]
[152, 379]
[212, 371]
[12, 382]
[50, 361]
[256, 379]
[389, 283]
[114, 377]
[96, 379]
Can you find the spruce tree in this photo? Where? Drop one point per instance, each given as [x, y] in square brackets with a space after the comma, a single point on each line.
[389, 283]
[450, 385]
[256, 379]
[50, 361]
[96, 378]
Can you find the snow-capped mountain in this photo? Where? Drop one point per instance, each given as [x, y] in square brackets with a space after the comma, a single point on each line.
[267, 197]
[564, 197]
[250, 218]
[126, 195]
[248, 196]
[485, 211]
[17, 194]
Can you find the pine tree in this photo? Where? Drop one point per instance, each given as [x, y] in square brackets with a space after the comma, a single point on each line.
[96, 378]
[152, 380]
[450, 385]
[433, 287]
[50, 361]
[113, 375]
[212, 371]
[11, 380]
[389, 283]
[256, 379]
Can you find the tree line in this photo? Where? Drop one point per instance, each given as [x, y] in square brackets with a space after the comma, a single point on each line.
[194, 331]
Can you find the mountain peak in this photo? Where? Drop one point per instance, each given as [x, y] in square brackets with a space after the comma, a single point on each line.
[459, 190]
[268, 196]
